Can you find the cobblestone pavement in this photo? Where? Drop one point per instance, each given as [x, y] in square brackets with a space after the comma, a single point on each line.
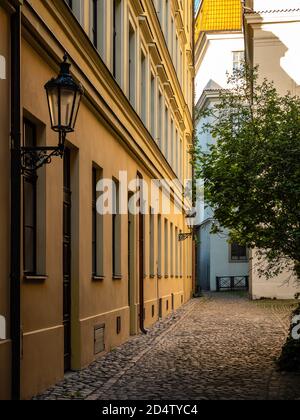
[221, 346]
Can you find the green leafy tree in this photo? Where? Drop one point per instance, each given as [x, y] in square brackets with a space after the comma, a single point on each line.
[251, 172]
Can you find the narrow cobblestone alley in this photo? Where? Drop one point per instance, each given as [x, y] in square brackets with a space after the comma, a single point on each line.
[218, 347]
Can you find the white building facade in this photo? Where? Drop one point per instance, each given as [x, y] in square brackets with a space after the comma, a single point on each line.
[221, 266]
[272, 33]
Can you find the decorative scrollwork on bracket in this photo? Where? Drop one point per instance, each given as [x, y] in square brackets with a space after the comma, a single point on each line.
[183, 236]
[33, 158]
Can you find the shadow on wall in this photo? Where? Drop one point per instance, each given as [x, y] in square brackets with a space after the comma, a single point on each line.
[277, 52]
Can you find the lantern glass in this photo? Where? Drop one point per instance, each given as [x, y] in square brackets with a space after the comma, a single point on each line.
[190, 220]
[67, 102]
[77, 100]
[53, 95]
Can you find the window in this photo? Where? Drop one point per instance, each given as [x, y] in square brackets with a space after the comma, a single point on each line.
[177, 56]
[132, 67]
[238, 59]
[171, 46]
[116, 233]
[117, 40]
[171, 250]
[177, 153]
[180, 172]
[153, 106]
[97, 228]
[160, 11]
[180, 256]
[143, 92]
[97, 25]
[172, 144]
[166, 248]
[159, 242]
[191, 96]
[30, 207]
[188, 166]
[76, 6]
[187, 253]
[167, 15]
[166, 133]
[181, 68]
[238, 253]
[160, 120]
[151, 248]
[94, 22]
[176, 253]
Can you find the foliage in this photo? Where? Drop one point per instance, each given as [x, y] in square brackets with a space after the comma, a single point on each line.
[251, 171]
[289, 360]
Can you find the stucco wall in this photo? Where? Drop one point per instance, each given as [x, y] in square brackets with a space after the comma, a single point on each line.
[94, 303]
[276, 51]
[109, 134]
[283, 286]
[216, 60]
[220, 264]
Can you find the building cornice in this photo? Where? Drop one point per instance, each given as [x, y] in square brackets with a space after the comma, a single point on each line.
[208, 95]
[273, 11]
[272, 16]
[166, 60]
[112, 110]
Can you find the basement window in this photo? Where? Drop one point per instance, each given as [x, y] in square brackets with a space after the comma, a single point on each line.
[99, 339]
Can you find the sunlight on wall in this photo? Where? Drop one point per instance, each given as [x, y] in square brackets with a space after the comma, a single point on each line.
[2, 328]
[288, 35]
[217, 61]
[2, 67]
[275, 4]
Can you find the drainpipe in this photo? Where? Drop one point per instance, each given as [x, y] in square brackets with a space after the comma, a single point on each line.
[245, 9]
[15, 276]
[244, 28]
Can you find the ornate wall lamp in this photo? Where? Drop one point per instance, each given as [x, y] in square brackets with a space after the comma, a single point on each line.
[190, 221]
[64, 97]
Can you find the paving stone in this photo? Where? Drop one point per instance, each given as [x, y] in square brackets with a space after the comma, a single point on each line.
[220, 347]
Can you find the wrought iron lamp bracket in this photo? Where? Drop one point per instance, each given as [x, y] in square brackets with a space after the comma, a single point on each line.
[183, 236]
[33, 158]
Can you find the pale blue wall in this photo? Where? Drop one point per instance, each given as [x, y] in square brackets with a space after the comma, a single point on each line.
[214, 259]
[220, 265]
[213, 250]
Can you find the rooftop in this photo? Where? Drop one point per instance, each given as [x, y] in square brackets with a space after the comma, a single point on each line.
[219, 15]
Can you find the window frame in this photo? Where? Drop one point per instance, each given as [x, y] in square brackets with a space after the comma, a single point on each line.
[239, 259]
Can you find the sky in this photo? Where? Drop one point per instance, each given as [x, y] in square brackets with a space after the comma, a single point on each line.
[197, 2]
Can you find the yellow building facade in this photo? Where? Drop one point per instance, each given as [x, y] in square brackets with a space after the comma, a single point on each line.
[82, 273]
